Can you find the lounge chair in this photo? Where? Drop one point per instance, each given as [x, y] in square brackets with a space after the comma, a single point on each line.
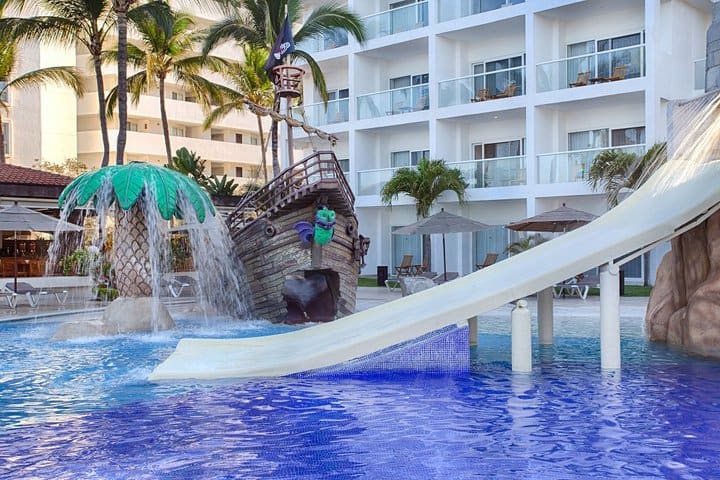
[509, 91]
[178, 283]
[405, 268]
[618, 73]
[490, 259]
[34, 294]
[583, 78]
[481, 95]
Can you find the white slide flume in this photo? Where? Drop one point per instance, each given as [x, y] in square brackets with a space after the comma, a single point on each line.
[647, 217]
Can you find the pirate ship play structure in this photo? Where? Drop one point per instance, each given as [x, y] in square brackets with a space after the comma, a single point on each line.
[301, 266]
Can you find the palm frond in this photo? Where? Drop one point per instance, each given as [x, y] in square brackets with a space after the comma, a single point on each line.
[67, 76]
[326, 19]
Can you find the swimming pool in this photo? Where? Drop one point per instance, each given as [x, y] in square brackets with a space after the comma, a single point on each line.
[82, 409]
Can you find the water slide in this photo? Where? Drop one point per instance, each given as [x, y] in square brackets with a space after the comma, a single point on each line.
[654, 213]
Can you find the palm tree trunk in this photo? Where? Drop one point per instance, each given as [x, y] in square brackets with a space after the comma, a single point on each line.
[2, 143]
[131, 254]
[101, 104]
[164, 120]
[121, 9]
[263, 153]
[274, 139]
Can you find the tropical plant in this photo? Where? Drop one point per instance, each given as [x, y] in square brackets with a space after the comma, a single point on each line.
[190, 164]
[615, 170]
[221, 186]
[525, 244]
[425, 184]
[8, 80]
[247, 81]
[71, 167]
[258, 23]
[167, 41]
[127, 185]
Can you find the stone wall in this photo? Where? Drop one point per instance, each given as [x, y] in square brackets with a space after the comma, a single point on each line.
[271, 250]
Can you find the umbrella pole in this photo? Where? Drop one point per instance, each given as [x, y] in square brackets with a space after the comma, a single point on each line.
[15, 261]
[444, 261]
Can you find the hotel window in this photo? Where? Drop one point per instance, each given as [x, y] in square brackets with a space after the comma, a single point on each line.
[5, 97]
[6, 136]
[238, 138]
[239, 172]
[177, 96]
[603, 64]
[253, 140]
[177, 131]
[410, 99]
[217, 170]
[499, 74]
[216, 136]
[502, 173]
[605, 137]
[132, 126]
[344, 164]
[407, 158]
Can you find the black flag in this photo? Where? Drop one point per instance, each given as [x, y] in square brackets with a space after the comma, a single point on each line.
[283, 45]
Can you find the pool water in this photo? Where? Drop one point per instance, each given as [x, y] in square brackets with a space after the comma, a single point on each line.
[82, 410]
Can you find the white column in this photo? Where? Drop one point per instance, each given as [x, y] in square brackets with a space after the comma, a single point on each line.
[545, 316]
[609, 317]
[473, 330]
[521, 333]
[283, 137]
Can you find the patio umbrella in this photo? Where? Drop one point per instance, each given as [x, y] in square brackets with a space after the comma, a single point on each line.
[561, 219]
[442, 222]
[21, 219]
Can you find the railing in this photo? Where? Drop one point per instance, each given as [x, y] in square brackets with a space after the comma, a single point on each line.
[338, 38]
[493, 172]
[291, 183]
[574, 166]
[396, 20]
[504, 83]
[393, 102]
[592, 68]
[699, 70]
[452, 9]
[318, 114]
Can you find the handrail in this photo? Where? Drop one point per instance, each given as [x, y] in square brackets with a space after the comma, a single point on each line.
[411, 5]
[591, 54]
[475, 75]
[316, 168]
[596, 149]
[392, 90]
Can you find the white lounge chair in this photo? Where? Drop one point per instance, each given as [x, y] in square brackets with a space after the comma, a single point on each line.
[33, 294]
[177, 284]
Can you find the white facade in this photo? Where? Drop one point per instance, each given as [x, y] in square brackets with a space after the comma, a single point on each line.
[495, 88]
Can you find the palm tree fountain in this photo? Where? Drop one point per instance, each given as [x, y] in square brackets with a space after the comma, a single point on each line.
[144, 198]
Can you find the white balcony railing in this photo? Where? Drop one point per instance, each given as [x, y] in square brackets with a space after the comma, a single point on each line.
[337, 38]
[592, 68]
[396, 20]
[574, 166]
[493, 172]
[504, 83]
[393, 102]
[452, 9]
[699, 69]
[317, 114]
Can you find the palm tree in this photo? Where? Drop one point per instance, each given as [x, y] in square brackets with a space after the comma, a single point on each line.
[425, 184]
[248, 83]
[86, 22]
[615, 170]
[8, 59]
[167, 41]
[258, 22]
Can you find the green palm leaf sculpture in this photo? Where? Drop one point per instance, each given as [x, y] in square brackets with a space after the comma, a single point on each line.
[130, 181]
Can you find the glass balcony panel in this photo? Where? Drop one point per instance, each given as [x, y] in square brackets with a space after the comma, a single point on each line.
[318, 114]
[566, 167]
[485, 86]
[396, 20]
[493, 172]
[393, 102]
[371, 182]
[600, 67]
[337, 38]
[699, 74]
[452, 9]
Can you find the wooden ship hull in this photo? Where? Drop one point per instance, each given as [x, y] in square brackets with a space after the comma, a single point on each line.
[292, 282]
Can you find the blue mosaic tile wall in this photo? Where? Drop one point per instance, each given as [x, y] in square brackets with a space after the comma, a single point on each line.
[443, 351]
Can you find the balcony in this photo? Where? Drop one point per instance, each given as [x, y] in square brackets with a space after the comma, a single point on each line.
[699, 68]
[486, 86]
[493, 172]
[590, 69]
[317, 114]
[393, 102]
[396, 20]
[324, 42]
[452, 9]
[567, 167]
